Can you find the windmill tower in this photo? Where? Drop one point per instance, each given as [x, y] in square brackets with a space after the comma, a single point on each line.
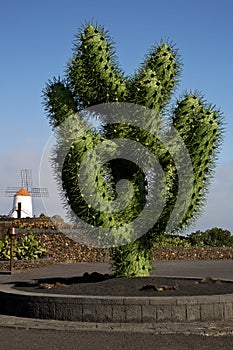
[22, 202]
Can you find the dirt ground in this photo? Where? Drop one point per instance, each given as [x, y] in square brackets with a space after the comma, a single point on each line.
[105, 285]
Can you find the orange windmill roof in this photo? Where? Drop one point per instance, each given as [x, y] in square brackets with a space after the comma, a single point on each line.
[22, 192]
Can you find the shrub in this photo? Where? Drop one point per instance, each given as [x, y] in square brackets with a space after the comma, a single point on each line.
[172, 241]
[5, 249]
[26, 248]
[214, 237]
[43, 216]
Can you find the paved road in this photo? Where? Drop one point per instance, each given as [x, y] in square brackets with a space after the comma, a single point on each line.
[222, 269]
[21, 334]
[21, 339]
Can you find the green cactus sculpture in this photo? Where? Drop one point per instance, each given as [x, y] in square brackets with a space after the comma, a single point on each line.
[93, 77]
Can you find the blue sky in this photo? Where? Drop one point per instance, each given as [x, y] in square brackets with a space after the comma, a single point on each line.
[36, 42]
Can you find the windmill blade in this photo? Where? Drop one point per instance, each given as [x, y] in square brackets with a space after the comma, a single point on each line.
[39, 192]
[11, 191]
[26, 178]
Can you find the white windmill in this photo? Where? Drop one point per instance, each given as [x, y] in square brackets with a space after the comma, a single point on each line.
[22, 203]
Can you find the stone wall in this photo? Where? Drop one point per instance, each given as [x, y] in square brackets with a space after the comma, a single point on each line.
[62, 249]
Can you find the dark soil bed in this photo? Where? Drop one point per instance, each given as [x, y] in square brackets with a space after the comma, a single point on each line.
[105, 285]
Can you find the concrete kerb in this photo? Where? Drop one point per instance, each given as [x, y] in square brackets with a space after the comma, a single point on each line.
[217, 328]
[109, 309]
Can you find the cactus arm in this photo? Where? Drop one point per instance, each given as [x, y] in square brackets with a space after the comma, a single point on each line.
[93, 71]
[59, 102]
[154, 82]
[200, 126]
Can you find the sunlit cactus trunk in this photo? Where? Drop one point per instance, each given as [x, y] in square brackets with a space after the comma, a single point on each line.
[93, 77]
[131, 260]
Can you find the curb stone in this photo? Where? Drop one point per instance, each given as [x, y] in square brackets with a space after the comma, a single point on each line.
[205, 328]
